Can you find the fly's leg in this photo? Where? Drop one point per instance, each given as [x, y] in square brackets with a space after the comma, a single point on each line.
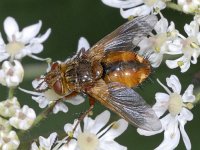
[81, 117]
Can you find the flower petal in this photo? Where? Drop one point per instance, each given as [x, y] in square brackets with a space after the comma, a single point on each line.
[188, 95]
[161, 104]
[174, 83]
[171, 64]
[136, 11]
[76, 100]
[122, 4]
[35, 48]
[185, 137]
[41, 38]
[110, 145]
[2, 43]
[116, 130]
[41, 100]
[60, 107]
[100, 121]
[30, 32]
[83, 43]
[185, 115]
[155, 59]
[88, 124]
[34, 146]
[72, 145]
[175, 47]
[11, 27]
[183, 59]
[185, 66]
[171, 136]
[39, 83]
[46, 143]
[161, 26]
[68, 127]
[148, 133]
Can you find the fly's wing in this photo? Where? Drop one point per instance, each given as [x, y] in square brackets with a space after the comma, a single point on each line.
[126, 103]
[132, 107]
[125, 37]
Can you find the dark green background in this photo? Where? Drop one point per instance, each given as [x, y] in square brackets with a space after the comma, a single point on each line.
[69, 20]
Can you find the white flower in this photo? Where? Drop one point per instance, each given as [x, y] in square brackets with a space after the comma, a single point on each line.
[136, 7]
[189, 46]
[11, 74]
[21, 43]
[155, 46]
[4, 125]
[197, 18]
[94, 135]
[190, 6]
[173, 123]
[82, 44]
[23, 118]
[9, 140]
[9, 107]
[45, 143]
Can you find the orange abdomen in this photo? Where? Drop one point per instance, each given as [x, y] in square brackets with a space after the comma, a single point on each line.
[126, 67]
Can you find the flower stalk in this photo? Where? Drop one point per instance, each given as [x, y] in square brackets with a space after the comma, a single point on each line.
[197, 95]
[11, 92]
[174, 6]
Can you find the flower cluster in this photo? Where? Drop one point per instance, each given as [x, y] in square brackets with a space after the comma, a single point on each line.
[189, 6]
[18, 45]
[167, 39]
[12, 115]
[94, 135]
[136, 8]
[178, 107]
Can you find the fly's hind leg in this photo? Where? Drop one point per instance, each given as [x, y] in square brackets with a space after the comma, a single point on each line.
[87, 112]
[81, 117]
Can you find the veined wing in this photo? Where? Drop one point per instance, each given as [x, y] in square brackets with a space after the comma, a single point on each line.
[126, 103]
[125, 37]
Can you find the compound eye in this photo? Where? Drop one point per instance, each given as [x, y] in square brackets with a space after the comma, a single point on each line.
[54, 66]
[58, 87]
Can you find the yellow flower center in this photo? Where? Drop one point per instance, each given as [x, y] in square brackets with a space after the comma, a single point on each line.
[22, 116]
[189, 45]
[2, 128]
[180, 63]
[88, 141]
[159, 41]
[6, 139]
[175, 104]
[14, 47]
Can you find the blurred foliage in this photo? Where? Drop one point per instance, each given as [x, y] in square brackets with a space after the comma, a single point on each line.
[69, 20]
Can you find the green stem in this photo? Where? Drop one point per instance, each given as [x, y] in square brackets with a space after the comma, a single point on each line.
[43, 115]
[11, 92]
[197, 95]
[174, 6]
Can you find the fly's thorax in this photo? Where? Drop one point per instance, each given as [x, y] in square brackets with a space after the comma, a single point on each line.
[81, 74]
[126, 67]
